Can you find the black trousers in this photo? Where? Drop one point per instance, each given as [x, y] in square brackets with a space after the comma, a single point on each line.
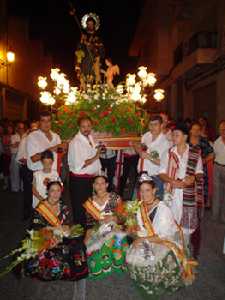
[27, 178]
[109, 164]
[129, 170]
[80, 190]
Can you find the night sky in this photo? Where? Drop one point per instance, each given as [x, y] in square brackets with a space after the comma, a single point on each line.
[50, 21]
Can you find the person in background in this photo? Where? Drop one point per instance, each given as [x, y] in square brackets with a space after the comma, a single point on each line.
[129, 172]
[37, 142]
[84, 165]
[6, 140]
[108, 162]
[218, 203]
[166, 126]
[42, 177]
[196, 140]
[14, 166]
[156, 144]
[21, 158]
[206, 130]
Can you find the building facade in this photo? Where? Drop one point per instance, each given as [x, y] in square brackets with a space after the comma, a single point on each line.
[184, 42]
[18, 80]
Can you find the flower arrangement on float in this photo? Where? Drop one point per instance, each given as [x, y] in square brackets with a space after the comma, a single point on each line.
[114, 111]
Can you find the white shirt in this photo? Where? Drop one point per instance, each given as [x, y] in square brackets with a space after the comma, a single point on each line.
[219, 150]
[160, 144]
[79, 151]
[37, 142]
[15, 138]
[22, 150]
[39, 178]
[177, 202]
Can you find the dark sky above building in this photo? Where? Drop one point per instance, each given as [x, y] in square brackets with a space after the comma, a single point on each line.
[50, 21]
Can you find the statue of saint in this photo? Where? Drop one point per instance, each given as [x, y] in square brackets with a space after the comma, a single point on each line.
[90, 52]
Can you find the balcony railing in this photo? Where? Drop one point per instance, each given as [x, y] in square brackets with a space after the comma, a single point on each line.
[200, 40]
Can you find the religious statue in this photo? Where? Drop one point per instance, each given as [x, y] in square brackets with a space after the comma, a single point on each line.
[111, 72]
[90, 52]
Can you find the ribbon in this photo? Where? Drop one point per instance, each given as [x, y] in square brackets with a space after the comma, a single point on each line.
[48, 214]
[92, 210]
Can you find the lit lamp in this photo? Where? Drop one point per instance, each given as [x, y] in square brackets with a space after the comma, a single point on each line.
[159, 95]
[142, 72]
[136, 93]
[130, 80]
[42, 82]
[46, 98]
[151, 79]
[10, 56]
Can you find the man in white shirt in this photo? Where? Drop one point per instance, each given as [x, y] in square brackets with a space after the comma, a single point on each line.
[84, 165]
[15, 140]
[37, 142]
[155, 143]
[218, 203]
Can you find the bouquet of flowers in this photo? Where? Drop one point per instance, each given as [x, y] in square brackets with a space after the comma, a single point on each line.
[38, 241]
[126, 214]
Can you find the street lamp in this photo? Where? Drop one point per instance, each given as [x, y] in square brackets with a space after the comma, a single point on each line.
[10, 58]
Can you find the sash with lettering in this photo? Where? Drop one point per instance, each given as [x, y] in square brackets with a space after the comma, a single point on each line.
[48, 214]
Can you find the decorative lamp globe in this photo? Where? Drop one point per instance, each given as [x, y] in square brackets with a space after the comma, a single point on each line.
[130, 80]
[42, 82]
[142, 72]
[159, 94]
[151, 79]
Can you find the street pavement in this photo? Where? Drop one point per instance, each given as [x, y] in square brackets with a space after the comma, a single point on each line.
[209, 285]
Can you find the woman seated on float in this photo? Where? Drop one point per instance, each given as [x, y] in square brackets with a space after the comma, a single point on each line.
[106, 242]
[63, 260]
[156, 259]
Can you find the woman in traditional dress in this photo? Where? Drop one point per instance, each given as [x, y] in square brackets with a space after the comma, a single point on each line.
[106, 243]
[156, 259]
[65, 260]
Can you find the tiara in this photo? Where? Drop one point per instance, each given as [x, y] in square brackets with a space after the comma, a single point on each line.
[55, 180]
[144, 177]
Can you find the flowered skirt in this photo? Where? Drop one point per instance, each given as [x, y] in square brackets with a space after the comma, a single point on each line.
[106, 254]
[67, 261]
[154, 269]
